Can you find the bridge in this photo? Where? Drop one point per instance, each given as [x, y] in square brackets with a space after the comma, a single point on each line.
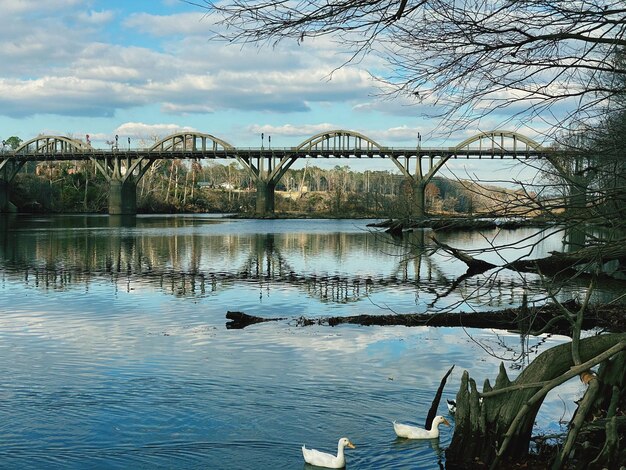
[123, 168]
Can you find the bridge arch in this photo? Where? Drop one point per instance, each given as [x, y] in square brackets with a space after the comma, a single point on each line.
[339, 140]
[189, 141]
[497, 141]
[52, 144]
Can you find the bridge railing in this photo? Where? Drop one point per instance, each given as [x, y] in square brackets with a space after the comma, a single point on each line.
[264, 152]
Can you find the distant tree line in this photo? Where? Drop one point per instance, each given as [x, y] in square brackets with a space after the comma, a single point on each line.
[190, 186]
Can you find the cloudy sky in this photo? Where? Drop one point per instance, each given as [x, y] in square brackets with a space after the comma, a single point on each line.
[144, 68]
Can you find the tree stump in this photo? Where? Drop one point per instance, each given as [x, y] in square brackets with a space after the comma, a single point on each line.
[482, 425]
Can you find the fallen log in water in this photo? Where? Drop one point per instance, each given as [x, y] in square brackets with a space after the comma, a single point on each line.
[533, 319]
[454, 223]
[526, 320]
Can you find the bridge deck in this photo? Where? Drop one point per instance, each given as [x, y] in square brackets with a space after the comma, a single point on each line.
[87, 154]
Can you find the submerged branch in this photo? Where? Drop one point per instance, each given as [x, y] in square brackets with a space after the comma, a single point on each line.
[432, 412]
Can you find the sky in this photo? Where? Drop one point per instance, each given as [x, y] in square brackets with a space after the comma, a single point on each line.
[144, 69]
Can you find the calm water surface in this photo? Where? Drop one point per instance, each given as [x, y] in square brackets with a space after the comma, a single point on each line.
[114, 351]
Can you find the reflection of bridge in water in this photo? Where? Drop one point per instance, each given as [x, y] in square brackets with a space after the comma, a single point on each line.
[264, 267]
[124, 167]
[335, 288]
[198, 257]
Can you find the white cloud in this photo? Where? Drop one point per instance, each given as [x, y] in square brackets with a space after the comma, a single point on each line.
[93, 17]
[141, 134]
[387, 102]
[10, 7]
[111, 77]
[290, 130]
[401, 134]
[172, 68]
[178, 108]
[108, 72]
[142, 130]
[188, 24]
[66, 96]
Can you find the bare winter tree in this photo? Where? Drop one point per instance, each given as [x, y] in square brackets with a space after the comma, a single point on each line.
[470, 57]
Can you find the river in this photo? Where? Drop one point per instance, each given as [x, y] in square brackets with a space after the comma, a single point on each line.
[115, 352]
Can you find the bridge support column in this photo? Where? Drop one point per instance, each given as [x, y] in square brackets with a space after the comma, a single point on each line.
[419, 198]
[265, 198]
[414, 206]
[5, 203]
[4, 195]
[122, 197]
[577, 198]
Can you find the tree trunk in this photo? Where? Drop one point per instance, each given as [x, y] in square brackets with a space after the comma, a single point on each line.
[482, 427]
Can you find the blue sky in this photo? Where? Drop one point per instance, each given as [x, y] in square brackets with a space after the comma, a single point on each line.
[146, 69]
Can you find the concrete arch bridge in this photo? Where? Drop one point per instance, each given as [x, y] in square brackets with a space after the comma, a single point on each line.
[124, 167]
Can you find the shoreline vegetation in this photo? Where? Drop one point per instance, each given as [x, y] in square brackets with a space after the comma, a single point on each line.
[180, 187]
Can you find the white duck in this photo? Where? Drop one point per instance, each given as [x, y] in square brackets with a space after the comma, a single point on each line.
[323, 459]
[451, 406]
[413, 432]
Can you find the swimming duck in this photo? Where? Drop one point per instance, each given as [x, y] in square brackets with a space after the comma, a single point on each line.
[413, 432]
[451, 406]
[323, 459]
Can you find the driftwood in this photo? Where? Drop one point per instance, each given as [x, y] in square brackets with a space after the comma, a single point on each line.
[518, 319]
[557, 263]
[475, 266]
[393, 227]
[525, 320]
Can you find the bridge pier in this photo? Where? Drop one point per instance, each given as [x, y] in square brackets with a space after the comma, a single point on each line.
[5, 203]
[577, 197]
[417, 182]
[419, 199]
[122, 197]
[265, 194]
[4, 195]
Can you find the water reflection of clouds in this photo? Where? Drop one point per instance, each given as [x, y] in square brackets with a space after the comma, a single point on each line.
[405, 364]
